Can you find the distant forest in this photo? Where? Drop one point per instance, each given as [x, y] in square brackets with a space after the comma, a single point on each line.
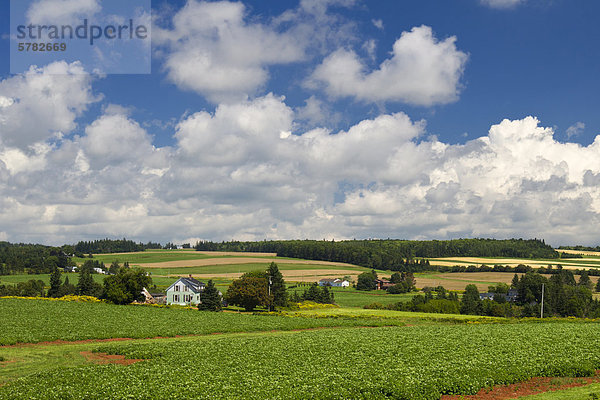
[580, 248]
[390, 254]
[104, 246]
[31, 258]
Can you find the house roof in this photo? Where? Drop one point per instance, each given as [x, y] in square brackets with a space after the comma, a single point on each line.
[195, 285]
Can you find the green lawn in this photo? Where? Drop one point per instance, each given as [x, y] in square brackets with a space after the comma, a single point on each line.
[350, 297]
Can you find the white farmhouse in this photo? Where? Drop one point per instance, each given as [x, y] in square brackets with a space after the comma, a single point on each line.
[185, 292]
[337, 282]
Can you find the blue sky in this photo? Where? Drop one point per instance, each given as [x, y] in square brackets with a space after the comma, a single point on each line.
[318, 119]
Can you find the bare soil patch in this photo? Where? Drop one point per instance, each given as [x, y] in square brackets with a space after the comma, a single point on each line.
[526, 388]
[234, 260]
[103, 358]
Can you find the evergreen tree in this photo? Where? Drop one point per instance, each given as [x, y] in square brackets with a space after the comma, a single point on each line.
[210, 298]
[55, 283]
[114, 268]
[471, 303]
[326, 295]
[515, 281]
[584, 280]
[67, 288]
[313, 293]
[278, 288]
[598, 286]
[86, 285]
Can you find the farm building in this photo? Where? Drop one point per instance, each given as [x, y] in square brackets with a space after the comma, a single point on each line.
[337, 282]
[185, 291]
[153, 298]
[511, 296]
[383, 284]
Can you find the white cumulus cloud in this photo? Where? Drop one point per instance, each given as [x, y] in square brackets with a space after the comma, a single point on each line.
[43, 103]
[422, 71]
[212, 49]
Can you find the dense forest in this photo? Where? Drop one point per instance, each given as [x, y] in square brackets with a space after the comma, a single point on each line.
[31, 258]
[104, 246]
[580, 248]
[389, 254]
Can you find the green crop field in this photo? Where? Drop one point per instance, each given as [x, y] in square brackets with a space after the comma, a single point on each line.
[417, 362]
[30, 321]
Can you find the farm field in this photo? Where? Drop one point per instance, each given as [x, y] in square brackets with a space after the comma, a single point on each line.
[568, 263]
[158, 256]
[31, 321]
[411, 362]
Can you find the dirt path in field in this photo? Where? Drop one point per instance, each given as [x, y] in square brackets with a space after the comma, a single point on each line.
[234, 260]
[526, 388]
[103, 358]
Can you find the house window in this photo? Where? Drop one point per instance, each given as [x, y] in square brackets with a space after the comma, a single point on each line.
[176, 298]
[177, 288]
[188, 298]
[185, 288]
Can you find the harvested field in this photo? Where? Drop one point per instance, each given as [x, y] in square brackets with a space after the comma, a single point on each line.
[513, 262]
[299, 275]
[582, 252]
[233, 260]
[458, 280]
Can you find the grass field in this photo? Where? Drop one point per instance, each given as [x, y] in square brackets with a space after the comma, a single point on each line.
[148, 257]
[589, 392]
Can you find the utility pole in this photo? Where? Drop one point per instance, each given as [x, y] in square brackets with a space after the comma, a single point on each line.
[270, 282]
[542, 310]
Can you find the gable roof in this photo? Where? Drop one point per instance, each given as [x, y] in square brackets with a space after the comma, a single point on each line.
[195, 285]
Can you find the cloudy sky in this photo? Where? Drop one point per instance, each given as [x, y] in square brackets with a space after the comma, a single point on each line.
[413, 119]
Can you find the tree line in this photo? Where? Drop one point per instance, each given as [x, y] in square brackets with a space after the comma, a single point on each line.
[388, 254]
[104, 246]
[31, 258]
[564, 296]
[122, 287]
